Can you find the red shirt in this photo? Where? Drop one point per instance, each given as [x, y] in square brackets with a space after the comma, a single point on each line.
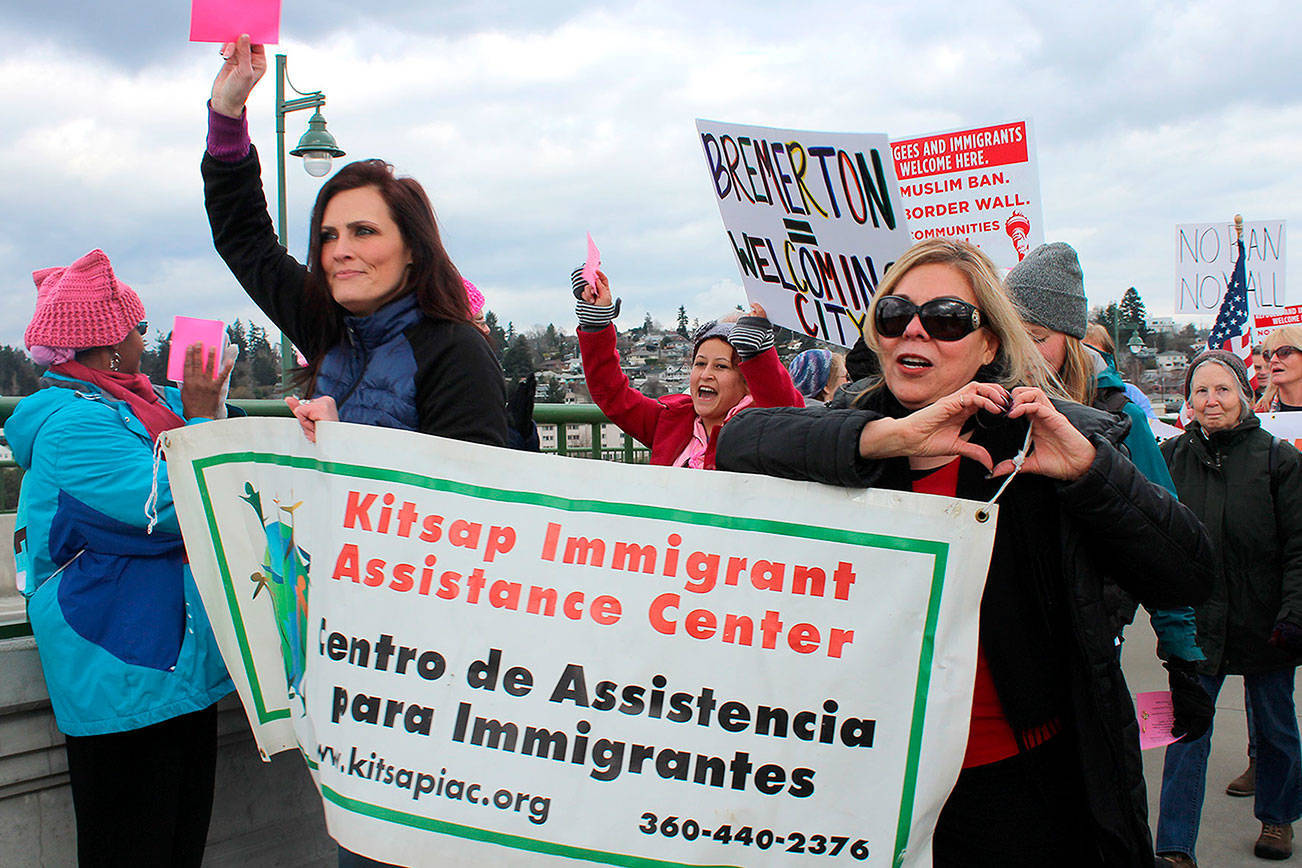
[989, 737]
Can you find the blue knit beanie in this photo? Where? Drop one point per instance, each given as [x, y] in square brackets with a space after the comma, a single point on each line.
[810, 370]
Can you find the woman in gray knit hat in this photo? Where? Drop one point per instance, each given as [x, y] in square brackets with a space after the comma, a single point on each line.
[1246, 488]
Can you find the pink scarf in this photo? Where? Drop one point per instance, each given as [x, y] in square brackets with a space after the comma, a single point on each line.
[135, 389]
[694, 454]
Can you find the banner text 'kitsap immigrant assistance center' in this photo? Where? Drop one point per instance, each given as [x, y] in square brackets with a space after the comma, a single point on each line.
[496, 657]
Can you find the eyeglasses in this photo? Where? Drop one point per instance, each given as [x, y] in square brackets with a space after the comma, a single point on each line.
[1280, 353]
[945, 319]
[142, 327]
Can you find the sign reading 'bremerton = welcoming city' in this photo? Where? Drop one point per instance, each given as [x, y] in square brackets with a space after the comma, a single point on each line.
[813, 218]
[491, 657]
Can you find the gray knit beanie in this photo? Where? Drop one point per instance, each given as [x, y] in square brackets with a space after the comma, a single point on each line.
[1049, 288]
[1226, 360]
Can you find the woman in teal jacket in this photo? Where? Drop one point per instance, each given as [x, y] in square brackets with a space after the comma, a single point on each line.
[129, 658]
[1049, 288]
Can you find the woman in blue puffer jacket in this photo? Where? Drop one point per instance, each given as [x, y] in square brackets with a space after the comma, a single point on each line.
[129, 658]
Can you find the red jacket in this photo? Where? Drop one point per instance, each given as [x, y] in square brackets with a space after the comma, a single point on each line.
[665, 426]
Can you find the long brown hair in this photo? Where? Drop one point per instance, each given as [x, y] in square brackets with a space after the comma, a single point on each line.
[439, 289]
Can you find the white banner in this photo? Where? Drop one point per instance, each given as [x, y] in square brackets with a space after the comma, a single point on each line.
[1204, 263]
[1285, 426]
[981, 185]
[813, 219]
[497, 657]
[1264, 325]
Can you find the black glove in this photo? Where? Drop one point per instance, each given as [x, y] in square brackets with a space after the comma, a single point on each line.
[1287, 636]
[592, 317]
[751, 336]
[1192, 706]
[519, 408]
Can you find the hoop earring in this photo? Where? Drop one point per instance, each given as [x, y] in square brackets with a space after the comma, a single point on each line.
[115, 362]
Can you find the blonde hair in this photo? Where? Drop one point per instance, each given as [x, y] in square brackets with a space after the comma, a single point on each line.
[1283, 336]
[1097, 336]
[1077, 372]
[1017, 362]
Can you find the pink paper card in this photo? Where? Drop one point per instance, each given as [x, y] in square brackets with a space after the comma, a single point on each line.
[1156, 716]
[225, 20]
[593, 262]
[187, 330]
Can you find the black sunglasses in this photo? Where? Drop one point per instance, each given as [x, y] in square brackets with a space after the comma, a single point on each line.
[945, 319]
[142, 327]
[1279, 352]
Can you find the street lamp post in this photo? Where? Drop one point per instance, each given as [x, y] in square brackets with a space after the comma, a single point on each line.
[317, 148]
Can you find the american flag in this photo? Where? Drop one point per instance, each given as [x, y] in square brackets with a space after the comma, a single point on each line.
[1233, 332]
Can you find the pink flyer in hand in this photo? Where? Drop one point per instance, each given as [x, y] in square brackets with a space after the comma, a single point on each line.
[225, 20]
[187, 330]
[1156, 716]
[593, 262]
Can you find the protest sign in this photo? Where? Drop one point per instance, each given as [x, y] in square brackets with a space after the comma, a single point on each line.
[1285, 426]
[981, 185]
[813, 218]
[1204, 261]
[187, 330]
[1264, 325]
[227, 20]
[630, 665]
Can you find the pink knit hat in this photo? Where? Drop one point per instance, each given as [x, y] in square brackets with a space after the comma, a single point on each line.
[82, 306]
[475, 296]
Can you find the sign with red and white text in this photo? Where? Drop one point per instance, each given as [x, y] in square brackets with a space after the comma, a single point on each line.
[981, 185]
[1264, 325]
[813, 219]
[496, 657]
[1204, 262]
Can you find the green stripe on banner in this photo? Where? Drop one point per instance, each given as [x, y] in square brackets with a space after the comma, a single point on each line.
[516, 842]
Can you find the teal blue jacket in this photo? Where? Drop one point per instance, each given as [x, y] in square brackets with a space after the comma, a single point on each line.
[122, 633]
[1177, 633]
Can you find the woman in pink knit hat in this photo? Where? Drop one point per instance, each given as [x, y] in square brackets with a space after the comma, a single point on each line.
[128, 656]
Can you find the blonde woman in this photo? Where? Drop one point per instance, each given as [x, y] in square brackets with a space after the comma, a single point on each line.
[1282, 351]
[1052, 768]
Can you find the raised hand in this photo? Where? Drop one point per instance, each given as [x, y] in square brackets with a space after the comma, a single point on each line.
[1058, 451]
[202, 378]
[245, 65]
[309, 411]
[937, 429]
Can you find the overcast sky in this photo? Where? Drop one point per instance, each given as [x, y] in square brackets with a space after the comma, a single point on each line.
[530, 127]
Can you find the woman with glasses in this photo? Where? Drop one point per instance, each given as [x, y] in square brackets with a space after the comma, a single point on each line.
[1052, 770]
[734, 366]
[1246, 486]
[128, 656]
[1282, 351]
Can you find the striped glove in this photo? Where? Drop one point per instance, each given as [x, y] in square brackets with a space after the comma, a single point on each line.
[592, 317]
[751, 336]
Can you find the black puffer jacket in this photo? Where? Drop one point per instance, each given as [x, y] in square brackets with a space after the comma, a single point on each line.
[1049, 542]
[1254, 517]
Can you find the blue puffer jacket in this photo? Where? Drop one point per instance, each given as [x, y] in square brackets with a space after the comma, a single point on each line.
[122, 633]
[397, 367]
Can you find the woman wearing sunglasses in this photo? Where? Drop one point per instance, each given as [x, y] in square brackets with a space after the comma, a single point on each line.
[130, 662]
[1282, 351]
[1052, 770]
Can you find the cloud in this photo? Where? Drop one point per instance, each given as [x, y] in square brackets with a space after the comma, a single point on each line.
[530, 127]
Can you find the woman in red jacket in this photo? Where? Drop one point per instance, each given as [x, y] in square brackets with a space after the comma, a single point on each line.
[734, 366]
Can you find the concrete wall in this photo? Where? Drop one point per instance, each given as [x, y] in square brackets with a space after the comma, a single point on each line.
[264, 814]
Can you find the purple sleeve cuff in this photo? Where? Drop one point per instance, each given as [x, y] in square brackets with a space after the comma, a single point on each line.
[228, 138]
